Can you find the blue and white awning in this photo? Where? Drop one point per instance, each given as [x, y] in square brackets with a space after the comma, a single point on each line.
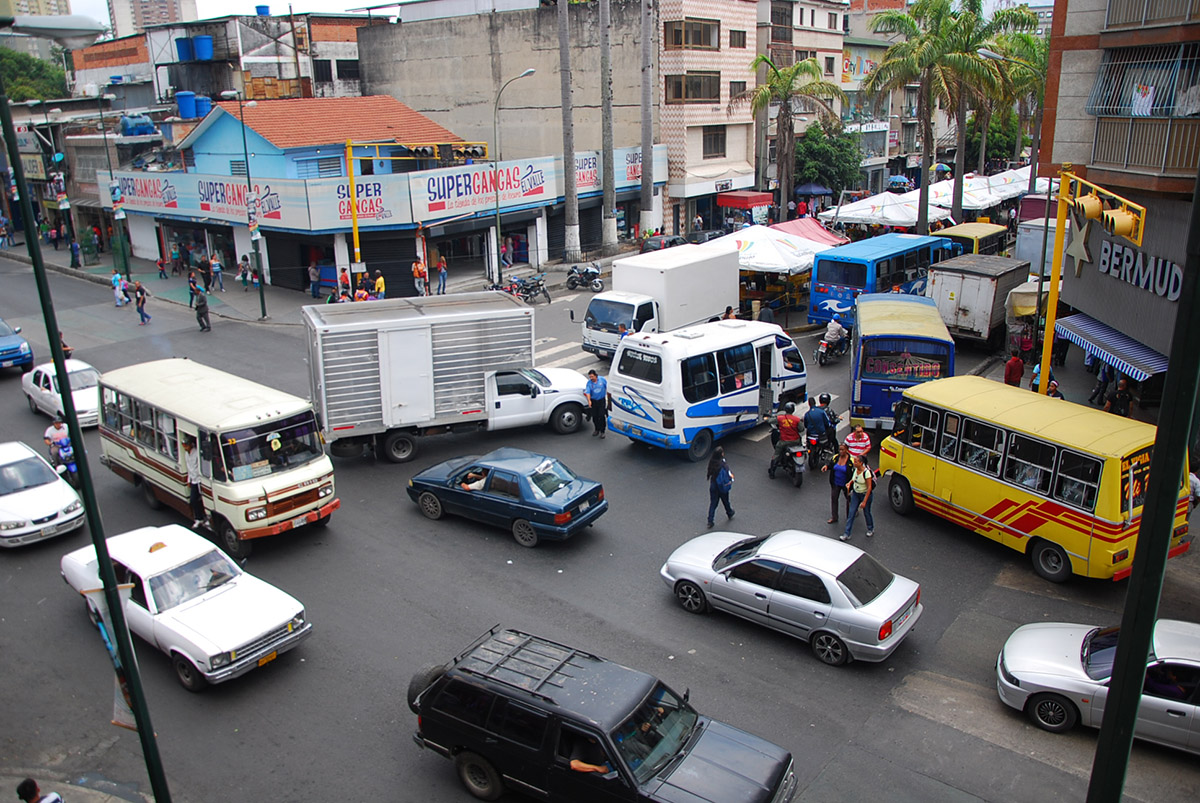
[1118, 350]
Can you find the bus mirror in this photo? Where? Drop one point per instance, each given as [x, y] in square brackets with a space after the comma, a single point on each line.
[571, 312]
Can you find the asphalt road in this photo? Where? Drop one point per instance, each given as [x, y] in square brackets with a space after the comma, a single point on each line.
[389, 591]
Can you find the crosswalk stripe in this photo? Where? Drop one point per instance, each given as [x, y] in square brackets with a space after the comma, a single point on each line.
[541, 355]
[573, 361]
[568, 298]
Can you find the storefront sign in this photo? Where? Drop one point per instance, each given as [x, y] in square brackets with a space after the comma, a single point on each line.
[724, 186]
[35, 168]
[1152, 274]
[27, 141]
[380, 200]
[282, 202]
[587, 172]
[859, 62]
[473, 188]
[873, 127]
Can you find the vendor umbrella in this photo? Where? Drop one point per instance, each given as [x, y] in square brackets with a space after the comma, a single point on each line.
[812, 189]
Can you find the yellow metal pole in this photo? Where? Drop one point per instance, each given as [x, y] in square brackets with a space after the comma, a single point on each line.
[1064, 198]
[353, 199]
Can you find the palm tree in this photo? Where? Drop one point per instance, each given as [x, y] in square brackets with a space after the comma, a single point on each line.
[646, 216]
[917, 58]
[571, 251]
[608, 237]
[802, 80]
[1027, 63]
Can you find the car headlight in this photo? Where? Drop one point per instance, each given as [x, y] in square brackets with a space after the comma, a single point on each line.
[24, 348]
[1009, 677]
[223, 659]
[254, 514]
[326, 490]
[297, 622]
[11, 525]
[71, 508]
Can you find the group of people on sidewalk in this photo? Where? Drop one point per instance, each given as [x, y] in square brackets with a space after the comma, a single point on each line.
[1119, 401]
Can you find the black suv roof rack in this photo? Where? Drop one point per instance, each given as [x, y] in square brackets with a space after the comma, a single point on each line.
[520, 660]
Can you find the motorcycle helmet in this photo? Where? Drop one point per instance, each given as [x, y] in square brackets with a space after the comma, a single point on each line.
[837, 317]
[826, 399]
[58, 419]
[789, 408]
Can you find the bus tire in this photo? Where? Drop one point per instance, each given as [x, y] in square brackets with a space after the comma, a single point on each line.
[1050, 561]
[399, 447]
[228, 539]
[152, 500]
[700, 447]
[900, 495]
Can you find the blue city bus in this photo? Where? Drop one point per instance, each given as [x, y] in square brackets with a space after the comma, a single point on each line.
[889, 263]
[900, 341]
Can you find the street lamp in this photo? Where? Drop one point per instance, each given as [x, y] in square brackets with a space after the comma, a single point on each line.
[496, 166]
[251, 201]
[118, 215]
[73, 32]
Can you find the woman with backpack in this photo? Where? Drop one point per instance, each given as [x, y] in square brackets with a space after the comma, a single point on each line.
[861, 487]
[720, 483]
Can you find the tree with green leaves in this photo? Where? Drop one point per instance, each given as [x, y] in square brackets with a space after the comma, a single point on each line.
[1003, 130]
[803, 80]
[28, 78]
[1027, 64]
[827, 155]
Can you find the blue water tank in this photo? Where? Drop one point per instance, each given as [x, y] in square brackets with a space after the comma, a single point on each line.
[183, 46]
[134, 125]
[203, 105]
[187, 104]
[203, 45]
[262, 11]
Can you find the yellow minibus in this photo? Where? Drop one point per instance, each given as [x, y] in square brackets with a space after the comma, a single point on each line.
[1058, 481]
[978, 238]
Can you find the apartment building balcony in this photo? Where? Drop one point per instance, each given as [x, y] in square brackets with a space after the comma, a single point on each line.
[1164, 146]
[1128, 14]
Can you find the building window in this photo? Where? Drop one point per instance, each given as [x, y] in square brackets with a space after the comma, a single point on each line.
[829, 62]
[237, 167]
[714, 142]
[692, 35]
[322, 70]
[781, 58]
[736, 88]
[801, 55]
[694, 87]
[347, 69]
[327, 167]
[737, 38]
[781, 22]
[1156, 81]
[833, 22]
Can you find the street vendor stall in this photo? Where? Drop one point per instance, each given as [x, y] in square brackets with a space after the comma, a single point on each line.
[775, 267]
[744, 206]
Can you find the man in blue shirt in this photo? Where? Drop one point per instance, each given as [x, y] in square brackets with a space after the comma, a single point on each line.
[597, 393]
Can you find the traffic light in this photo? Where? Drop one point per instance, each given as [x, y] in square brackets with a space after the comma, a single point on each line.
[423, 151]
[462, 151]
[1118, 222]
[1090, 206]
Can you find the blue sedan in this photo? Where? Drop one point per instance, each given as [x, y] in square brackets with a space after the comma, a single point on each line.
[534, 496]
[14, 349]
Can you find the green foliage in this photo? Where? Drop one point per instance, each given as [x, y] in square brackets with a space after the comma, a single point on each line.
[27, 78]
[1002, 136]
[827, 155]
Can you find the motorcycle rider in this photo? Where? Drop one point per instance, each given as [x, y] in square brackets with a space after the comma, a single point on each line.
[55, 434]
[789, 433]
[834, 332]
[833, 418]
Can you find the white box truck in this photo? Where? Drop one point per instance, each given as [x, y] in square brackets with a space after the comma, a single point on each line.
[660, 291]
[970, 291]
[1029, 243]
[384, 373]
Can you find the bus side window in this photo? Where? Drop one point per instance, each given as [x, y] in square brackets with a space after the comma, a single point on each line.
[145, 425]
[924, 428]
[737, 368]
[900, 428]
[1029, 463]
[982, 446]
[1078, 480]
[699, 376]
[949, 447]
[168, 441]
[883, 275]
[111, 418]
[206, 442]
[125, 414]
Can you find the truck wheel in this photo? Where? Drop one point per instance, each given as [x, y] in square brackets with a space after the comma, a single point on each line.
[399, 447]
[900, 495]
[479, 776]
[700, 447]
[567, 418]
[1050, 561]
[187, 673]
[229, 541]
[152, 501]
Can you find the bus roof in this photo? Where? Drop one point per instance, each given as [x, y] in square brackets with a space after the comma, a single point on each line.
[1058, 420]
[972, 230]
[210, 398]
[900, 314]
[877, 247]
[706, 336]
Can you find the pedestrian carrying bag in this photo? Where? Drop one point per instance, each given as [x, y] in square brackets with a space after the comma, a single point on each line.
[725, 479]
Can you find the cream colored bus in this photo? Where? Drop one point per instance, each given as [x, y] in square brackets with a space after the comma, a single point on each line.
[262, 460]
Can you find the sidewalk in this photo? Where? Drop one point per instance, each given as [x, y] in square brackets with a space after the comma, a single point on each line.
[73, 791]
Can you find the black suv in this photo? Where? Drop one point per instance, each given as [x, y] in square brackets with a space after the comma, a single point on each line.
[515, 710]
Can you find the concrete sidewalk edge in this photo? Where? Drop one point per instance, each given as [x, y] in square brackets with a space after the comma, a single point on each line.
[72, 790]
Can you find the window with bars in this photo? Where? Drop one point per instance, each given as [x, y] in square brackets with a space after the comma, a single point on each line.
[322, 70]
[347, 69]
[736, 88]
[694, 87]
[189, 158]
[693, 34]
[714, 142]
[737, 38]
[1155, 81]
[326, 167]
[782, 57]
[781, 22]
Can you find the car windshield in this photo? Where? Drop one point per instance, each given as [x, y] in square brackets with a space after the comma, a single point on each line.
[742, 549]
[24, 474]
[536, 376]
[81, 380]
[864, 580]
[5, 329]
[655, 733]
[271, 448]
[606, 315]
[1098, 652]
[549, 477]
[190, 580]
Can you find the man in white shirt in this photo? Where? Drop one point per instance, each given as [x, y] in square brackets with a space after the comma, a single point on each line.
[55, 434]
[191, 459]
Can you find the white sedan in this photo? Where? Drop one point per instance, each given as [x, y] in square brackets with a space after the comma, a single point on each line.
[35, 502]
[42, 391]
[193, 603]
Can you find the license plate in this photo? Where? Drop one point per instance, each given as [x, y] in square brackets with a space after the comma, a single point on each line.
[51, 530]
[822, 349]
[299, 521]
[268, 658]
[903, 618]
[6, 364]
[583, 506]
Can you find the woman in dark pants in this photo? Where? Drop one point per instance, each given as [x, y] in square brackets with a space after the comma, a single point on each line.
[839, 474]
[720, 483]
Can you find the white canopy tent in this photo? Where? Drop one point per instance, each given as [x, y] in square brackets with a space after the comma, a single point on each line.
[771, 251]
[975, 196]
[885, 209]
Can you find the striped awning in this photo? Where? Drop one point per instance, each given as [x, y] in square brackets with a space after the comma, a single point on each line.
[1118, 350]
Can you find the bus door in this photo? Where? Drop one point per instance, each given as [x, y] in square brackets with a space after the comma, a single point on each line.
[918, 462]
[766, 381]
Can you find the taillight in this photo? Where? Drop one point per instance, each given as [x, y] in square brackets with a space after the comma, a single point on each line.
[668, 419]
[1181, 531]
[601, 497]
[918, 599]
[1120, 555]
[562, 518]
[886, 630]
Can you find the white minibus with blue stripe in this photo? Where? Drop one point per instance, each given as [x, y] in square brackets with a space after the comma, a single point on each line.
[686, 389]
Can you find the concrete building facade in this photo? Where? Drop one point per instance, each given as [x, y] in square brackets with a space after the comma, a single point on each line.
[134, 16]
[1122, 99]
[34, 46]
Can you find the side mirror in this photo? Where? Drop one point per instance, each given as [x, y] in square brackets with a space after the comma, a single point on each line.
[533, 391]
[60, 468]
[611, 776]
[687, 693]
[16, 330]
[571, 312]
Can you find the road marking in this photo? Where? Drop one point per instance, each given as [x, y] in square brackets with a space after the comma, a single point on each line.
[541, 355]
[567, 298]
[541, 341]
[571, 361]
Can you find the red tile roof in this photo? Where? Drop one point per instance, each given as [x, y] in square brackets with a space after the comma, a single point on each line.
[308, 122]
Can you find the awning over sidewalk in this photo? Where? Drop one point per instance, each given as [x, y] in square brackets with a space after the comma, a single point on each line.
[743, 199]
[1118, 350]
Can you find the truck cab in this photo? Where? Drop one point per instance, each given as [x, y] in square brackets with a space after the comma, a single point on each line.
[607, 311]
[530, 396]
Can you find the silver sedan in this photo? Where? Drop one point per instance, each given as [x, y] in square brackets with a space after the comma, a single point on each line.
[1059, 675]
[833, 595]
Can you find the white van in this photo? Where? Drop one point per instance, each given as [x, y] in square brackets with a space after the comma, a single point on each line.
[688, 388]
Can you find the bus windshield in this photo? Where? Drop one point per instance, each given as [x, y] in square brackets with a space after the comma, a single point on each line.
[271, 448]
[904, 360]
[835, 271]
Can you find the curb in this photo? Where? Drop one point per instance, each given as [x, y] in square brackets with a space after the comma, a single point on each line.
[987, 365]
[86, 788]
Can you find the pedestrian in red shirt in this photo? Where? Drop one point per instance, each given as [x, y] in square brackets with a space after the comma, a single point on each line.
[1014, 369]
